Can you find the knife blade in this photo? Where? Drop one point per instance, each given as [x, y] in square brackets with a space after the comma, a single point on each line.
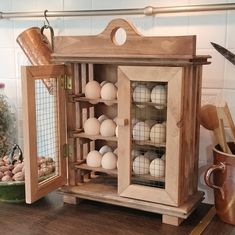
[225, 52]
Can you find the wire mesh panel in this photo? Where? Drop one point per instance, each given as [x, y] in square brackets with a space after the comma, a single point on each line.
[47, 130]
[148, 148]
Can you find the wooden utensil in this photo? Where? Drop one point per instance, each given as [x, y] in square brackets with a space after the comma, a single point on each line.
[209, 120]
[230, 120]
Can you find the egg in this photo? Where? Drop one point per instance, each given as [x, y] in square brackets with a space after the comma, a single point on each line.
[109, 161]
[141, 165]
[102, 117]
[105, 149]
[94, 158]
[107, 128]
[92, 126]
[108, 91]
[92, 90]
[141, 93]
[141, 131]
[158, 133]
[157, 168]
[159, 95]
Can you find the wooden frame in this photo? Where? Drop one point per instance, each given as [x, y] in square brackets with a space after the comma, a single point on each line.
[173, 77]
[34, 189]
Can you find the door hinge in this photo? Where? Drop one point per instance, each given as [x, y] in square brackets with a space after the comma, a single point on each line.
[66, 82]
[66, 150]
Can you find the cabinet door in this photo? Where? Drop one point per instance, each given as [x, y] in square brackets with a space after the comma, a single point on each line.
[44, 129]
[149, 107]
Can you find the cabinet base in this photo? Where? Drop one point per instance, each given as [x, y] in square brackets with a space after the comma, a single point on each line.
[108, 194]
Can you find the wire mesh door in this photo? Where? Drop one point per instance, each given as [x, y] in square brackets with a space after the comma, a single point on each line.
[44, 130]
[149, 121]
[149, 98]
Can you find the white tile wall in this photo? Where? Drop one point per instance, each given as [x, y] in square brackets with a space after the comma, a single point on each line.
[219, 27]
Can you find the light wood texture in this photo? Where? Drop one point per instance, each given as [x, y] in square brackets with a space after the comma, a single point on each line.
[104, 190]
[94, 137]
[96, 169]
[170, 60]
[135, 45]
[173, 77]
[124, 143]
[223, 137]
[30, 74]
[167, 219]
[229, 119]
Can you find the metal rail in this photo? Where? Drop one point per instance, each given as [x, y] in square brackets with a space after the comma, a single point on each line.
[148, 11]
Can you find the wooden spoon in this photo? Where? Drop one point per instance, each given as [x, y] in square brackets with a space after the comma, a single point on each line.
[210, 120]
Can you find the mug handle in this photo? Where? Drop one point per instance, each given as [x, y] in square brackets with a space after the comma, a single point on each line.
[207, 177]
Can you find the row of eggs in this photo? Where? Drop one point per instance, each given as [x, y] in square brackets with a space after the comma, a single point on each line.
[142, 131]
[143, 165]
[105, 90]
[103, 125]
[150, 130]
[108, 91]
[105, 158]
[158, 94]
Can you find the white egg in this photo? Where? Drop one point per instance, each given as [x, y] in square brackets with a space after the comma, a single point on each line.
[151, 155]
[105, 149]
[108, 91]
[107, 128]
[157, 168]
[94, 158]
[159, 95]
[141, 165]
[141, 93]
[92, 126]
[92, 90]
[141, 131]
[102, 117]
[109, 161]
[158, 133]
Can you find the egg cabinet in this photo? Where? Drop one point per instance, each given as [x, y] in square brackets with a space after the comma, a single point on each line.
[121, 121]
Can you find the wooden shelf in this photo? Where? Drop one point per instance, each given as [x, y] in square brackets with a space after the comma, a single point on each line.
[80, 98]
[84, 166]
[105, 190]
[164, 106]
[94, 137]
[148, 177]
[150, 143]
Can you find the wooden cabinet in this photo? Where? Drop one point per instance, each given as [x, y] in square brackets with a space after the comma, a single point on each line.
[147, 130]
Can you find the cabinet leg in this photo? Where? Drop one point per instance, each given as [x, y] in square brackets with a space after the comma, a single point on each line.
[172, 220]
[71, 199]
